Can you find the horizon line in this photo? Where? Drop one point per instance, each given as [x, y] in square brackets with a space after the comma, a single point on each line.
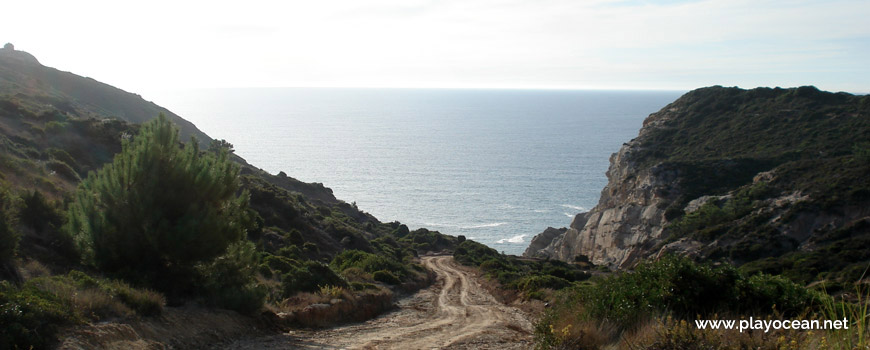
[484, 87]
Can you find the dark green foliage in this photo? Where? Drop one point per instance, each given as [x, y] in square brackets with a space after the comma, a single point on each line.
[423, 240]
[368, 262]
[840, 259]
[39, 213]
[229, 280]
[31, 316]
[8, 236]
[528, 277]
[309, 277]
[361, 286]
[813, 144]
[473, 253]
[158, 208]
[219, 146]
[280, 263]
[714, 218]
[32, 313]
[62, 169]
[62, 156]
[861, 152]
[686, 289]
[531, 284]
[386, 277]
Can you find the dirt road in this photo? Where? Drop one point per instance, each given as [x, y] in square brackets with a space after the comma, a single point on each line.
[455, 313]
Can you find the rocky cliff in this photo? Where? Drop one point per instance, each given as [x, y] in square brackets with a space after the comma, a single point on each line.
[771, 178]
[629, 217]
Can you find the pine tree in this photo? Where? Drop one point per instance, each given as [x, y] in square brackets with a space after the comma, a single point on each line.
[159, 208]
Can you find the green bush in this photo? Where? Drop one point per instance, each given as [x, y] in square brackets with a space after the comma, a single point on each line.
[386, 277]
[158, 209]
[309, 277]
[62, 169]
[472, 253]
[32, 313]
[31, 317]
[8, 236]
[143, 301]
[38, 213]
[368, 262]
[686, 289]
[280, 264]
[361, 286]
[532, 284]
[229, 281]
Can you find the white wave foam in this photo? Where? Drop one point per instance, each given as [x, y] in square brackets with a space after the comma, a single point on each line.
[495, 224]
[574, 207]
[432, 224]
[463, 227]
[514, 239]
[569, 215]
[540, 210]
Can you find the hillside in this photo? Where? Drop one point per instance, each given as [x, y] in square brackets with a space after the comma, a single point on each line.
[771, 179]
[300, 243]
[38, 87]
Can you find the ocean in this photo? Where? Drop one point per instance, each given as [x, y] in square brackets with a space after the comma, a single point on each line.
[497, 166]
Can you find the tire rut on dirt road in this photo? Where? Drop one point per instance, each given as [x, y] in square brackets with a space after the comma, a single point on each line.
[455, 313]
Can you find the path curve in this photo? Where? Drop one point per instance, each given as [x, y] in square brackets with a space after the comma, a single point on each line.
[454, 313]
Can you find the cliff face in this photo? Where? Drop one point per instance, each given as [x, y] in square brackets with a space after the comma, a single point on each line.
[629, 217]
[771, 178]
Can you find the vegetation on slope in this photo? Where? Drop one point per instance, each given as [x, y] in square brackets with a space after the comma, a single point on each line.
[531, 278]
[656, 306]
[166, 218]
[775, 162]
[784, 175]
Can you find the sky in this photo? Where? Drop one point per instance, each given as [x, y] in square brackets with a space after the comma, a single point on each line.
[554, 44]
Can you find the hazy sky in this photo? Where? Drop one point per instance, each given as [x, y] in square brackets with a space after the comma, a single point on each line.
[450, 43]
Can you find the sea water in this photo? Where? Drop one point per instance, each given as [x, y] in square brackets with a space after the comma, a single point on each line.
[497, 166]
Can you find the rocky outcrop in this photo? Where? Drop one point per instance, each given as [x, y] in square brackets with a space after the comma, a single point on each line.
[8, 51]
[542, 240]
[771, 185]
[629, 217]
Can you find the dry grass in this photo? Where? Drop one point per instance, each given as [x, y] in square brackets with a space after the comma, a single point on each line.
[33, 269]
[98, 305]
[325, 295]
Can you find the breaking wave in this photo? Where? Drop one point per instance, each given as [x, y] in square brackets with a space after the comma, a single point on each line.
[514, 239]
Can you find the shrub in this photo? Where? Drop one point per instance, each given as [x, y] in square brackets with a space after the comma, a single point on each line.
[62, 169]
[143, 301]
[532, 284]
[386, 277]
[158, 209]
[8, 236]
[309, 277]
[280, 264]
[32, 313]
[30, 316]
[39, 213]
[368, 262]
[473, 253]
[229, 281]
[361, 286]
[684, 288]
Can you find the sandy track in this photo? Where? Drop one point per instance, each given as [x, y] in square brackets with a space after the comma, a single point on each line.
[455, 313]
